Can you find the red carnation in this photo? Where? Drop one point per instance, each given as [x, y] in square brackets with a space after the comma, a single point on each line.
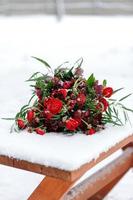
[102, 105]
[63, 92]
[67, 84]
[81, 99]
[53, 105]
[91, 131]
[107, 92]
[21, 123]
[40, 131]
[30, 115]
[72, 124]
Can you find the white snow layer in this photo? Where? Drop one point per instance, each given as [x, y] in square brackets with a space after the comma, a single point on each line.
[58, 150]
[106, 44]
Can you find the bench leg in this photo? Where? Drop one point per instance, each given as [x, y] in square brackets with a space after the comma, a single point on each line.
[97, 186]
[103, 192]
[51, 189]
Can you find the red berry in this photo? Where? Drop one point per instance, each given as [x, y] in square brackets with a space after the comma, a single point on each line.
[91, 131]
[21, 123]
[30, 115]
[40, 131]
[72, 124]
[107, 92]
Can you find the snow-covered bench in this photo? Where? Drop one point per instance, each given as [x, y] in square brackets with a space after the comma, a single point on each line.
[64, 159]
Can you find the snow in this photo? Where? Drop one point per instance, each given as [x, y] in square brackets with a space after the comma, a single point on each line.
[106, 44]
[58, 150]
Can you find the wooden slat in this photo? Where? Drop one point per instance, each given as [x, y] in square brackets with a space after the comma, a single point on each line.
[77, 173]
[104, 191]
[58, 173]
[51, 189]
[102, 181]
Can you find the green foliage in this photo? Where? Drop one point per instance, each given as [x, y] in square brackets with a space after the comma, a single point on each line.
[42, 61]
[47, 84]
[91, 80]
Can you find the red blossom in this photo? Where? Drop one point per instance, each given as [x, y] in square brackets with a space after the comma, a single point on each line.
[53, 105]
[21, 123]
[39, 93]
[67, 84]
[81, 99]
[39, 131]
[48, 114]
[107, 92]
[30, 115]
[71, 104]
[91, 131]
[72, 124]
[102, 105]
[63, 92]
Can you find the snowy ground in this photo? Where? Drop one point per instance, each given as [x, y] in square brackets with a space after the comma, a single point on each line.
[106, 44]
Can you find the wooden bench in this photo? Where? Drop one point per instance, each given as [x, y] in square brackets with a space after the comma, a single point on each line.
[58, 183]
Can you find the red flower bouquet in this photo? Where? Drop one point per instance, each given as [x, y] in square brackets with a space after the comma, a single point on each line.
[64, 101]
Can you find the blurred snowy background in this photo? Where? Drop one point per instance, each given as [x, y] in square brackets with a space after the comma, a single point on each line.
[105, 42]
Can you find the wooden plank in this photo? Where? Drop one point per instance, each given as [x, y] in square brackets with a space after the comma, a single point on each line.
[104, 191]
[58, 173]
[102, 181]
[51, 189]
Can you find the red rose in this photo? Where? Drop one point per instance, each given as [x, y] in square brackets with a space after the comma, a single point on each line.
[107, 92]
[30, 115]
[63, 92]
[102, 105]
[40, 131]
[21, 123]
[91, 131]
[67, 84]
[72, 124]
[53, 105]
[81, 99]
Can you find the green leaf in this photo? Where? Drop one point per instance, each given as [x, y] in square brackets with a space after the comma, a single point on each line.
[115, 91]
[8, 118]
[61, 65]
[42, 61]
[104, 82]
[79, 62]
[33, 75]
[68, 75]
[31, 99]
[125, 116]
[128, 109]
[23, 108]
[125, 97]
[91, 80]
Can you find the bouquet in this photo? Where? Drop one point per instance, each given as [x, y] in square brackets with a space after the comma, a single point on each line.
[64, 101]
